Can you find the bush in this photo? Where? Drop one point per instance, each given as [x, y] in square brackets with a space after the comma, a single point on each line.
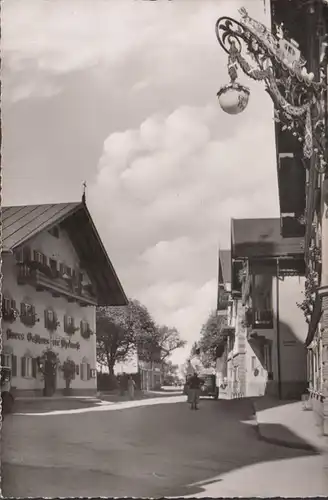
[106, 382]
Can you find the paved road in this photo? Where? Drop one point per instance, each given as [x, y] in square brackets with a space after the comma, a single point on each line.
[153, 451]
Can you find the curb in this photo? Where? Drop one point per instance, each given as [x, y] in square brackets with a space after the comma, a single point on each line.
[282, 442]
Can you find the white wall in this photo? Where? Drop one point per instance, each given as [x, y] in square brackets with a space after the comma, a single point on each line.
[293, 330]
[61, 250]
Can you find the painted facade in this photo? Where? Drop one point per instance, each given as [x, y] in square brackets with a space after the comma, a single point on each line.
[47, 312]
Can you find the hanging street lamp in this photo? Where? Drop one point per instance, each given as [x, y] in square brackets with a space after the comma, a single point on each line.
[299, 100]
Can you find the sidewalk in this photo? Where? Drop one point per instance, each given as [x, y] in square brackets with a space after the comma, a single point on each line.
[286, 423]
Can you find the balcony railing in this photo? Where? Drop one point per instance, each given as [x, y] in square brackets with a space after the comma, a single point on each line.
[57, 286]
[261, 319]
[224, 300]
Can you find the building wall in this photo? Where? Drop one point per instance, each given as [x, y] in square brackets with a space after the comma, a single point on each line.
[292, 351]
[80, 350]
[293, 331]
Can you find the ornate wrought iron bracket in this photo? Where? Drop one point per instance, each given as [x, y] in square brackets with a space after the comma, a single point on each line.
[262, 56]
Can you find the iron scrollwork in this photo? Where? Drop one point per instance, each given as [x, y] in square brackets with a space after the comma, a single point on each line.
[278, 62]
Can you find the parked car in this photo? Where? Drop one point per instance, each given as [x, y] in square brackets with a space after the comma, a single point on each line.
[209, 387]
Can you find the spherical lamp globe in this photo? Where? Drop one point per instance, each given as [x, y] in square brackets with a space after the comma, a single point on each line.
[233, 98]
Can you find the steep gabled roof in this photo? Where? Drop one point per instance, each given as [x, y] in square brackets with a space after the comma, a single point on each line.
[262, 238]
[22, 223]
[225, 266]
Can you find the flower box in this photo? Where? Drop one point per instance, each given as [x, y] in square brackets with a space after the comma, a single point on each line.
[10, 315]
[29, 319]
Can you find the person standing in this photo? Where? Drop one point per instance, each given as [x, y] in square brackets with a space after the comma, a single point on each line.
[194, 384]
[131, 387]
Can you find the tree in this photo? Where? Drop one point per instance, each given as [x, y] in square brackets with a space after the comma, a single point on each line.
[211, 339]
[195, 350]
[158, 343]
[169, 340]
[119, 330]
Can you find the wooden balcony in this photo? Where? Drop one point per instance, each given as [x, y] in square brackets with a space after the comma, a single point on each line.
[259, 319]
[58, 287]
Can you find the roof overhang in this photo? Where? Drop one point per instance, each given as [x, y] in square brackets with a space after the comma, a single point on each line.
[94, 258]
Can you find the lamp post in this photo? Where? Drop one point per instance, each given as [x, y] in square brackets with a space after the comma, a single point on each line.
[298, 98]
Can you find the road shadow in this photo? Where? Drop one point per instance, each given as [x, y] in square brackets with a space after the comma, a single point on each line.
[152, 451]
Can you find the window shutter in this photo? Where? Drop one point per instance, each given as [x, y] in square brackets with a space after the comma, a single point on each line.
[61, 268]
[22, 309]
[27, 254]
[34, 367]
[81, 371]
[65, 323]
[14, 365]
[46, 318]
[44, 260]
[33, 310]
[13, 304]
[23, 367]
[2, 360]
[77, 369]
[81, 327]
[88, 372]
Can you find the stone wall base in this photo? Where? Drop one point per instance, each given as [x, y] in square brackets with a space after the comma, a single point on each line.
[319, 406]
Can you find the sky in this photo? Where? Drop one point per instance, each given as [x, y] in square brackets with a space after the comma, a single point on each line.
[122, 94]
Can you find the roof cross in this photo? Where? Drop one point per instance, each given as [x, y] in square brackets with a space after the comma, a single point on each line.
[84, 185]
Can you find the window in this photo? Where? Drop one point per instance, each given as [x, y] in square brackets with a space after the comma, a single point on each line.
[40, 258]
[65, 270]
[8, 307]
[69, 324]
[85, 372]
[6, 360]
[53, 264]
[27, 309]
[84, 326]
[28, 367]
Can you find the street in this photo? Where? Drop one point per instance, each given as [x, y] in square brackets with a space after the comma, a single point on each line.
[153, 451]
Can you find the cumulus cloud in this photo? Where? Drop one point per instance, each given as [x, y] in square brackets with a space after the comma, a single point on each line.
[171, 187]
[174, 168]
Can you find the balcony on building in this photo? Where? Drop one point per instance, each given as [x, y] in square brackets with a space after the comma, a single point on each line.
[62, 282]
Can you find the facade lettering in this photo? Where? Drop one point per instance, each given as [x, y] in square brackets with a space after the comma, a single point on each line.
[15, 336]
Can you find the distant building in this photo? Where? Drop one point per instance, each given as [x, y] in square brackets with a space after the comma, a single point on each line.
[55, 271]
[264, 331]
